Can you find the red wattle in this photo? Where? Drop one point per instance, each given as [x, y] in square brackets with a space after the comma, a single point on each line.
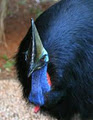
[48, 79]
[36, 109]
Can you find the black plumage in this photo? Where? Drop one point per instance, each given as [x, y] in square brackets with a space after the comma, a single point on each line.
[66, 31]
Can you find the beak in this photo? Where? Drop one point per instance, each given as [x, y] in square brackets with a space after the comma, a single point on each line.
[36, 51]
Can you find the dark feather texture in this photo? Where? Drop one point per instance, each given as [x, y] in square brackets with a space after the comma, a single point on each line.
[66, 31]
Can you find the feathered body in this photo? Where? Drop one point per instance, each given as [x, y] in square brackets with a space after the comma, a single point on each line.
[66, 31]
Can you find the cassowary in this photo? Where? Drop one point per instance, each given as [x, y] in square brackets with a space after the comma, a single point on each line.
[59, 46]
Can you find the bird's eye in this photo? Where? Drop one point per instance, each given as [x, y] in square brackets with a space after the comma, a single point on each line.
[43, 58]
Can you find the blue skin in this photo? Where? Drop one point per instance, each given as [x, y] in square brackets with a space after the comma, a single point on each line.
[40, 86]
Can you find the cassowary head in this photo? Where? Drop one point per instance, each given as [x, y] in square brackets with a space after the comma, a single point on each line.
[35, 69]
[37, 59]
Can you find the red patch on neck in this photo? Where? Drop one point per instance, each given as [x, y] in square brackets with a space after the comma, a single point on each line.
[48, 79]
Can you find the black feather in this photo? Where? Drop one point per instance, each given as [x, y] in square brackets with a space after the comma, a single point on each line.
[66, 30]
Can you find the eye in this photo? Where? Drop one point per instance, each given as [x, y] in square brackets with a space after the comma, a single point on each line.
[43, 58]
[42, 61]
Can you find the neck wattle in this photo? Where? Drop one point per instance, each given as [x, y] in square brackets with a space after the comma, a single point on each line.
[48, 79]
